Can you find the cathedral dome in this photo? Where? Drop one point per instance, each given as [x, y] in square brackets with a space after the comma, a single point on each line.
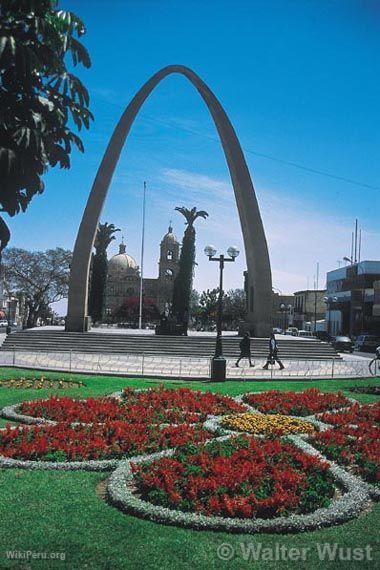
[122, 262]
[170, 237]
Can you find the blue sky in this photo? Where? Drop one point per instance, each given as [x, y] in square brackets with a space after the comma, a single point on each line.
[299, 80]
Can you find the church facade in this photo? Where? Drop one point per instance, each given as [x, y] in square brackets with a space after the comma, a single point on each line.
[123, 278]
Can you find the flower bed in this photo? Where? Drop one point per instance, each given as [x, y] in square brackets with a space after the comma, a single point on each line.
[260, 424]
[184, 399]
[111, 439]
[354, 440]
[98, 410]
[369, 413]
[365, 390]
[39, 383]
[240, 477]
[145, 406]
[357, 447]
[304, 403]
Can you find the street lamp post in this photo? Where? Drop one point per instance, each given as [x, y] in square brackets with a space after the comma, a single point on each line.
[218, 366]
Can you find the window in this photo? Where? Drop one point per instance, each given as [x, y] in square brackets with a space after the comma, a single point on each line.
[169, 255]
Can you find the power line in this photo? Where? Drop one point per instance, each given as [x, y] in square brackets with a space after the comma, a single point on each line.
[270, 157]
[293, 164]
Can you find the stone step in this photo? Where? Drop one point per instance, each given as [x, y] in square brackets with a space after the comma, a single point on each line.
[191, 346]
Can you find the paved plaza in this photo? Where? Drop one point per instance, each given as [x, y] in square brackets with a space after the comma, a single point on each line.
[351, 365]
[181, 368]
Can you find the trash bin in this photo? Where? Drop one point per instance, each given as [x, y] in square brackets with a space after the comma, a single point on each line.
[218, 369]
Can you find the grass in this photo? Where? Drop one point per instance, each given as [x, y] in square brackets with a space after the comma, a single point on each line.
[59, 512]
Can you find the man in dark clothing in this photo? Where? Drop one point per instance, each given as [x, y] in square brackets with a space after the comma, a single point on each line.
[245, 349]
[273, 354]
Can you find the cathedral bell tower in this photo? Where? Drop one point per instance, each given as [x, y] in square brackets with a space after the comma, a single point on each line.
[169, 257]
[168, 269]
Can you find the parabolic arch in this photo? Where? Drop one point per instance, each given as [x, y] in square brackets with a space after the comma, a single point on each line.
[259, 279]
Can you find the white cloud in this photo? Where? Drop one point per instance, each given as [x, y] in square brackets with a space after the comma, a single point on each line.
[196, 182]
[108, 95]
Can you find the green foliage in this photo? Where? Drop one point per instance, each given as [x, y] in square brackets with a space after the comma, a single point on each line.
[319, 490]
[208, 306]
[194, 304]
[184, 281]
[104, 236]
[55, 456]
[41, 276]
[234, 308]
[97, 286]
[38, 96]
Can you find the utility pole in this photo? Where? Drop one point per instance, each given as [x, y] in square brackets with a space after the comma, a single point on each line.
[356, 241]
[142, 258]
[316, 284]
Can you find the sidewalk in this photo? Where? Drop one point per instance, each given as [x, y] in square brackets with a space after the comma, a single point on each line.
[175, 367]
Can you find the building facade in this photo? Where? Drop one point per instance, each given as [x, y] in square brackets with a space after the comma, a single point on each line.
[353, 299]
[309, 308]
[123, 279]
[282, 311]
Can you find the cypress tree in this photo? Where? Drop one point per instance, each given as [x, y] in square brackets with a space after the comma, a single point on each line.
[99, 264]
[183, 283]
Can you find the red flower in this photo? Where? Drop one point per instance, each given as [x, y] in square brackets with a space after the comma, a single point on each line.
[304, 403]
[241, 478]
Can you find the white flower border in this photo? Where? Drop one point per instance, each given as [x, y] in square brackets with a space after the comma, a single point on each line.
[89, 465]
[121, 493]
[12, 413]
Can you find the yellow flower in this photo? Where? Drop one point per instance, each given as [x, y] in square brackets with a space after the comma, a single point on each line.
[261, 424]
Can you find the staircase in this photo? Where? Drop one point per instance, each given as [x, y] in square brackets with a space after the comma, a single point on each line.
[191, 346]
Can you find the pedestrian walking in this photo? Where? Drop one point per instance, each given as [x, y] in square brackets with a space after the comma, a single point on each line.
[245, 349]
[273, 353]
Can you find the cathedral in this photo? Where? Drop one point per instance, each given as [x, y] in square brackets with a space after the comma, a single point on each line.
[123, 277]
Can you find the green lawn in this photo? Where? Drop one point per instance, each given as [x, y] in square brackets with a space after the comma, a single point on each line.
[47, 512]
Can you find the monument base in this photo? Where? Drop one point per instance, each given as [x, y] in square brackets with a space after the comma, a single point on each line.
[257, 330]
[78, 324]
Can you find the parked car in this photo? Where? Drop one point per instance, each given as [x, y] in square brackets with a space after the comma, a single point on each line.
[293, 331]
[343, 344]
[367, 343]
[277, 330]
[305, 334]
[3, 323]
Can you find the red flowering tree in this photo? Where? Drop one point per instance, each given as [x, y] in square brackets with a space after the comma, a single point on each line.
[129, 310]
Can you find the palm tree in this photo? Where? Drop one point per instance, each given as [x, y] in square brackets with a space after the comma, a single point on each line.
[104, 237]
[183, 282]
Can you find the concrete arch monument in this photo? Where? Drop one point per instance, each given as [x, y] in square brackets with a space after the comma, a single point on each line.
[259, 280]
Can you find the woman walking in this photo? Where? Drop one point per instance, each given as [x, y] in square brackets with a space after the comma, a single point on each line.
[273, 353]
[245, 349]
